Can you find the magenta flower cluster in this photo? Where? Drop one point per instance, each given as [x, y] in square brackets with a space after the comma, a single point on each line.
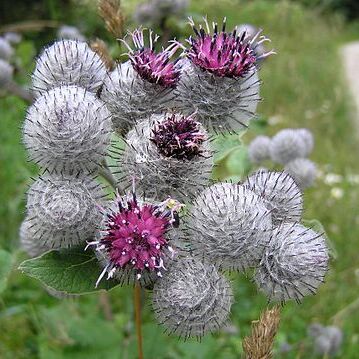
[135, 235]
[223, 54]
[151, 66]
[179, 137]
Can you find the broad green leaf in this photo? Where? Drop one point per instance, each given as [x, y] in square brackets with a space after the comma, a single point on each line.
[224, 144]
[71, 271]
[66, 333]
[5, 268]
[237, 162]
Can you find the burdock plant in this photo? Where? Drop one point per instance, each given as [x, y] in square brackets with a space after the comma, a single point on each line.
[167, 228]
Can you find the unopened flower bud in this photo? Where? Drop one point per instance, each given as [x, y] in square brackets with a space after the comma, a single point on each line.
[259, 149]
[6, 73]
[192, 298]
[303, 171]
[287, 145]
[67, 129]
[70, 33]
[30, 239]
[230, 225]
[294, 263]
[308, 139]
[280, 193]
[6, 51]
[68, 62]
[64, 210]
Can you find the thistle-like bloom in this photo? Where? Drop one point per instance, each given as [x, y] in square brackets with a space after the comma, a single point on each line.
[30, 239]
[280, 193]
[134, 243]
[6, 73]
[294, 264]
[230, 225]
[219, 78]
[192, 298]
[287, 145]
[66, 129]
[303, 171]
[68, 62]
[169, 155]
[6, 51]
[143, 85]
[308, 139]
[259, 149]
[64, 210]
[151, 66]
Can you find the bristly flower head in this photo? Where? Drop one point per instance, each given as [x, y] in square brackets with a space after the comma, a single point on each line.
[30, 239]
[64, 210]
[287, 145]
[178, 137]
[294, 264]
[68, 62]
[6, 73]
[303, 171]
[224, 54]
[134, 240]
[192, 298]
[259, 149]
[151, 66]
[230, 225]
[6, 51]
[67, 128]
[280, 193]
[170, 155]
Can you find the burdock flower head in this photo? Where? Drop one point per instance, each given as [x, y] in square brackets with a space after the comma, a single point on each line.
[223, 54]
[179, 137]
[134, 244]
[150, 65]
[170, 155]
[143, 85]
[220, 77]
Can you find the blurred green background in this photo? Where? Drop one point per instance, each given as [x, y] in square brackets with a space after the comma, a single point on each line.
[303, 86]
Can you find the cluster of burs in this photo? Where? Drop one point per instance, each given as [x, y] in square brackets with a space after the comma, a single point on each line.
[290, 148]
[179, 232]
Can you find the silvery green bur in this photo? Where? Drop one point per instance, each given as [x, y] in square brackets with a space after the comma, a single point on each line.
[303, 171]
[294, 263]
[280, 193]
[192, 299]
[6, 51]
[67, 129]
[259, 149]
[68, 62]
[31, 240]
[287, 145]
[6, 73]
[230, 225]
[64, 210]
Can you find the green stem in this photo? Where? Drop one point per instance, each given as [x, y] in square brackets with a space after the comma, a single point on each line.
[137, 304]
